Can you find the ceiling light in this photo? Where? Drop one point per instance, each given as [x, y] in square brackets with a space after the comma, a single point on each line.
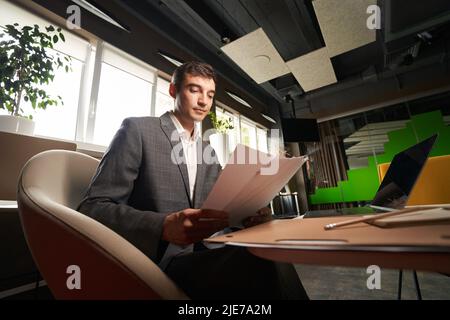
[96, 11]
[170, 59]
[239, 99]
[268, 118]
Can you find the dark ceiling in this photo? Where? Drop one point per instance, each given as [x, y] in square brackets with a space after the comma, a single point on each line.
[409, 59]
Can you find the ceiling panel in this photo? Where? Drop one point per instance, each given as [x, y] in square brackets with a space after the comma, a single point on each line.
[313, 70]
[257, 56]
[344, 24]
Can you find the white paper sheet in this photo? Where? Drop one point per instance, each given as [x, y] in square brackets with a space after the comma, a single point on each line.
[249, 181]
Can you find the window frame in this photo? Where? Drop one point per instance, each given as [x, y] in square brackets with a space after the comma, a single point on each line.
[226, 109]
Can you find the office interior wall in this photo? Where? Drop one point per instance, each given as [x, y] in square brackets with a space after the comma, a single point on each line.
[368, 139]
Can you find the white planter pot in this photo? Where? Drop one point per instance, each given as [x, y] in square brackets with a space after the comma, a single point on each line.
[220, 143]
[16, 125]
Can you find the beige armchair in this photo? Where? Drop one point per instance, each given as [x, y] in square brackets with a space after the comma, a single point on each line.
[78, 257]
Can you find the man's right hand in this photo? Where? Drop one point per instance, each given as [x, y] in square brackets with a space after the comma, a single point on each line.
[193, 225]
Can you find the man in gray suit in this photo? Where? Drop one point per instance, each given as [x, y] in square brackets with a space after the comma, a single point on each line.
[149, 186]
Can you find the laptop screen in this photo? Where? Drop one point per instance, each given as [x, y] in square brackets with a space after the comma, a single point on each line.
[402, 175]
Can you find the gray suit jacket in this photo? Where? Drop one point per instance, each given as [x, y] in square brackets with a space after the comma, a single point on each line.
[137, 184]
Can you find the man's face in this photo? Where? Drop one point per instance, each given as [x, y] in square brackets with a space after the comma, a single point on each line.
[195, 98]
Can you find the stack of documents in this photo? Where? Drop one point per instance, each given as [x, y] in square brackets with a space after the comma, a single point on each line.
[249, 181]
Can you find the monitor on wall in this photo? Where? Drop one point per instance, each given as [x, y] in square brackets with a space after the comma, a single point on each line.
[300, 130]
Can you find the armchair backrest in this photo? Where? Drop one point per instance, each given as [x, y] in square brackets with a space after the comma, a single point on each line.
[79, 257]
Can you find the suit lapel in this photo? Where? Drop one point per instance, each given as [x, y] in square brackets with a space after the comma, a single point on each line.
[174, 138]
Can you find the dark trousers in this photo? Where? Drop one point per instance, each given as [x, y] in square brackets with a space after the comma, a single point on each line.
[234, 273]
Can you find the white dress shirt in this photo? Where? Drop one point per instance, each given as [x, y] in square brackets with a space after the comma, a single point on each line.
[190, 150]
[190, 154]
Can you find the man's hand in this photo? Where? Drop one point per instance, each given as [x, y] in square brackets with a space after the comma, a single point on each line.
[193, 225]
[263, 215]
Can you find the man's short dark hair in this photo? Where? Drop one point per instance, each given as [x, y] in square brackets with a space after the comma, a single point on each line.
[194, 68]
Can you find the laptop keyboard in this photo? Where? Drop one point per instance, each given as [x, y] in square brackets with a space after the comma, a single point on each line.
[339, 212]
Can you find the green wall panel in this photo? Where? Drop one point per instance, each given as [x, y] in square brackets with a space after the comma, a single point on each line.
[362, 183]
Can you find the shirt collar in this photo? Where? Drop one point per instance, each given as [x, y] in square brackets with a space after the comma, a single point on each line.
[184, 134]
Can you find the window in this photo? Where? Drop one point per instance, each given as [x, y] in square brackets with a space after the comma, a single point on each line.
[106, 86]
[232, 134]
[261, 136]
[98, 94]
[235, 135]
[60, 121]
[164, 102]
[125, 90]
[248, 133]
[57, 121]
[244, 130]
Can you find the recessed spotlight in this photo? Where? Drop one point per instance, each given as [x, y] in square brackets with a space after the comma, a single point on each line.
[170, 59]
[239, 99]
[96, 11]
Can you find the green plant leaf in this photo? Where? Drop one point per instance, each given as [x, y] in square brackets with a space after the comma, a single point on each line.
[25, 65]
[62, 37]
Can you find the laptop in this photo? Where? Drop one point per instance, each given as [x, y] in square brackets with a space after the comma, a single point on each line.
[397, 184]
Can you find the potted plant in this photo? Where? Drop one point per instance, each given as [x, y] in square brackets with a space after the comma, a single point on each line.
[26, 65]
[220, 140]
